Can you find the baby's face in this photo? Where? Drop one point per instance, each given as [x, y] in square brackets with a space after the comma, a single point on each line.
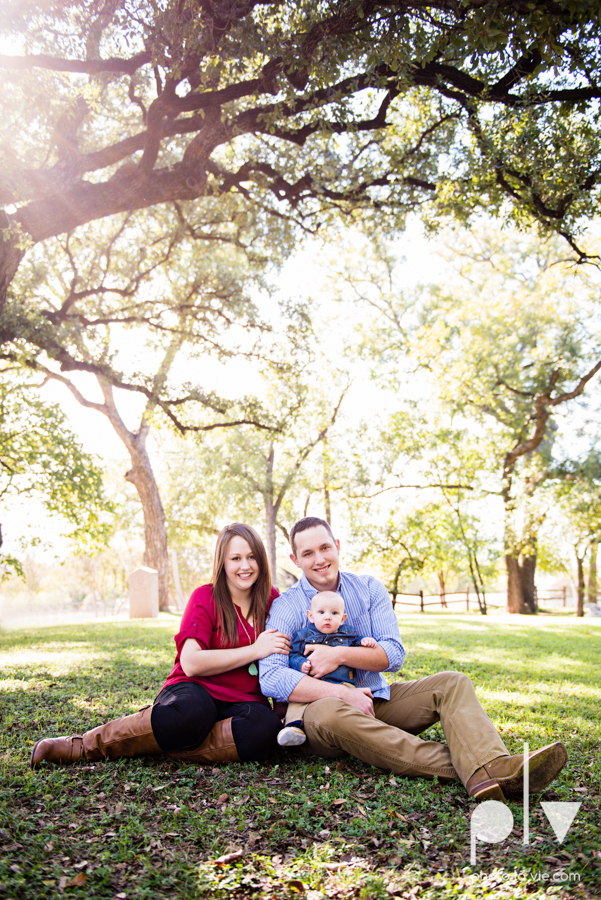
[327, 612]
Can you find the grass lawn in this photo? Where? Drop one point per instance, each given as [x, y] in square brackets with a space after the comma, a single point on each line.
[300, 826]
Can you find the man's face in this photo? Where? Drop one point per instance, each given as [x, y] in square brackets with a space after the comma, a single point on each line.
[327, 612]
[317, 556]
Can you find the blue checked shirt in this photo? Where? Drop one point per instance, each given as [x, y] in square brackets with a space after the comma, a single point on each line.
[369, 610]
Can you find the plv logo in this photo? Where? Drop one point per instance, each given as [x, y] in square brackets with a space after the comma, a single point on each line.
[492, 821]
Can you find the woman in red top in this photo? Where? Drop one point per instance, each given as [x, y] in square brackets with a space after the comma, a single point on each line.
[211, 708]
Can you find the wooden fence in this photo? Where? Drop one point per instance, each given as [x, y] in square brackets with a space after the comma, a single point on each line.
[463, 597]
[551, 594]
[442, 600]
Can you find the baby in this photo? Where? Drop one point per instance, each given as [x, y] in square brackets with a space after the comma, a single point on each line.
[327, 617]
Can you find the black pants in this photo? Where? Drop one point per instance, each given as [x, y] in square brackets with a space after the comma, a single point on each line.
[184, 713]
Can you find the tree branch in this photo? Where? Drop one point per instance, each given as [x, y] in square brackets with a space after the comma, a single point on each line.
[84, 66]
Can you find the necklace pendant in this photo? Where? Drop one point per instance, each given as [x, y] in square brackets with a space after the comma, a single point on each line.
[252, 669]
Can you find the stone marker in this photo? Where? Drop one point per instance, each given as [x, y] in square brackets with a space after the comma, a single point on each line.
[144, 593]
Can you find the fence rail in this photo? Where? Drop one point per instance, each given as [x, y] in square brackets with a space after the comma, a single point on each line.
[551, 594]
[442, 600]
[463, 597]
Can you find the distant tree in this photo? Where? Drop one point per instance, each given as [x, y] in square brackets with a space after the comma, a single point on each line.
[262, 475]
[137, 308]
[40, 455]
[578, 493]
[425, 542]
[503, 345]
[442, 534]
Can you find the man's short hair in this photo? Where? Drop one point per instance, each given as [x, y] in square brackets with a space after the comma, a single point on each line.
[306, 523]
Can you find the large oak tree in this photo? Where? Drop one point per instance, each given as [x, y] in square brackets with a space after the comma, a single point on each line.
[300, 108]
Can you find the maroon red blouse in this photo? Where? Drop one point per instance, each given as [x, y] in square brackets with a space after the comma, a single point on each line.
[200, 622]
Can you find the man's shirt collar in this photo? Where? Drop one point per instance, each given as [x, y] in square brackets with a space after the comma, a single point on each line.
[309, 591]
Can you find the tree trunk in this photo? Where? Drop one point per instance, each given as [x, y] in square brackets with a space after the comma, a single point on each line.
[142, 477]
[580, 597]
[326, 484]
[270, 518]
[10, 259]
[155, 533]
[527, 565]
[270, 539]
[520, 583]
[591, 589]
[441, 589]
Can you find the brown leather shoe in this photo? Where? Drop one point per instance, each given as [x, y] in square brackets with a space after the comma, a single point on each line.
[482, 787]
[217, 747]
[504, 776]
[60, 751]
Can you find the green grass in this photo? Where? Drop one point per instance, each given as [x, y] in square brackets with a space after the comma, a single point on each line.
[154, 828]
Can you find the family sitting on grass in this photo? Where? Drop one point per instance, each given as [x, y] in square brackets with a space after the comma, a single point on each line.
[321, 646]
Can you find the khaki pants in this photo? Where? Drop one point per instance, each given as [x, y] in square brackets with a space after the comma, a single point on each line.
[335, 728]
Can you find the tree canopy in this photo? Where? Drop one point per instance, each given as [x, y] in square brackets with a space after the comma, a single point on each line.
[303, 109]
[504, 347]
[40, 456]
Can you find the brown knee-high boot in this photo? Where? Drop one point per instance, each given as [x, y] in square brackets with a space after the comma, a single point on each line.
[218, 746]
[128, 736]
[132, 736]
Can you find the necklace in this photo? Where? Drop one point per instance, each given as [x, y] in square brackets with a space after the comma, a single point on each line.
[252, 669]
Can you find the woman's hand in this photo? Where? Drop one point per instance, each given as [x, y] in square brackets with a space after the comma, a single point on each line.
[271, 641]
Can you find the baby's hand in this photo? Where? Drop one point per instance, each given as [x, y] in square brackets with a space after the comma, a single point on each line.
[306, 667]
[368, 642]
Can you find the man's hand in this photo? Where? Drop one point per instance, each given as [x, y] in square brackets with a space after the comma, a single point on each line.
[361, 699]
[323, 659]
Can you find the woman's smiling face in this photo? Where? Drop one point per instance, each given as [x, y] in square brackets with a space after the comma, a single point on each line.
[241, 567]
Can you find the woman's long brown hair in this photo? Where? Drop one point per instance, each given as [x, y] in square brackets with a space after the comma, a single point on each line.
[260, 591]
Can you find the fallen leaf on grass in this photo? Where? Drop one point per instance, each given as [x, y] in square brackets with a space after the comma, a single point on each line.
[222, 798]
[62, 883]
[15, 868]
[228, 858]
[339, 801]
[81, 865]
[244, 799]
[297, 886]
[78, 881]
